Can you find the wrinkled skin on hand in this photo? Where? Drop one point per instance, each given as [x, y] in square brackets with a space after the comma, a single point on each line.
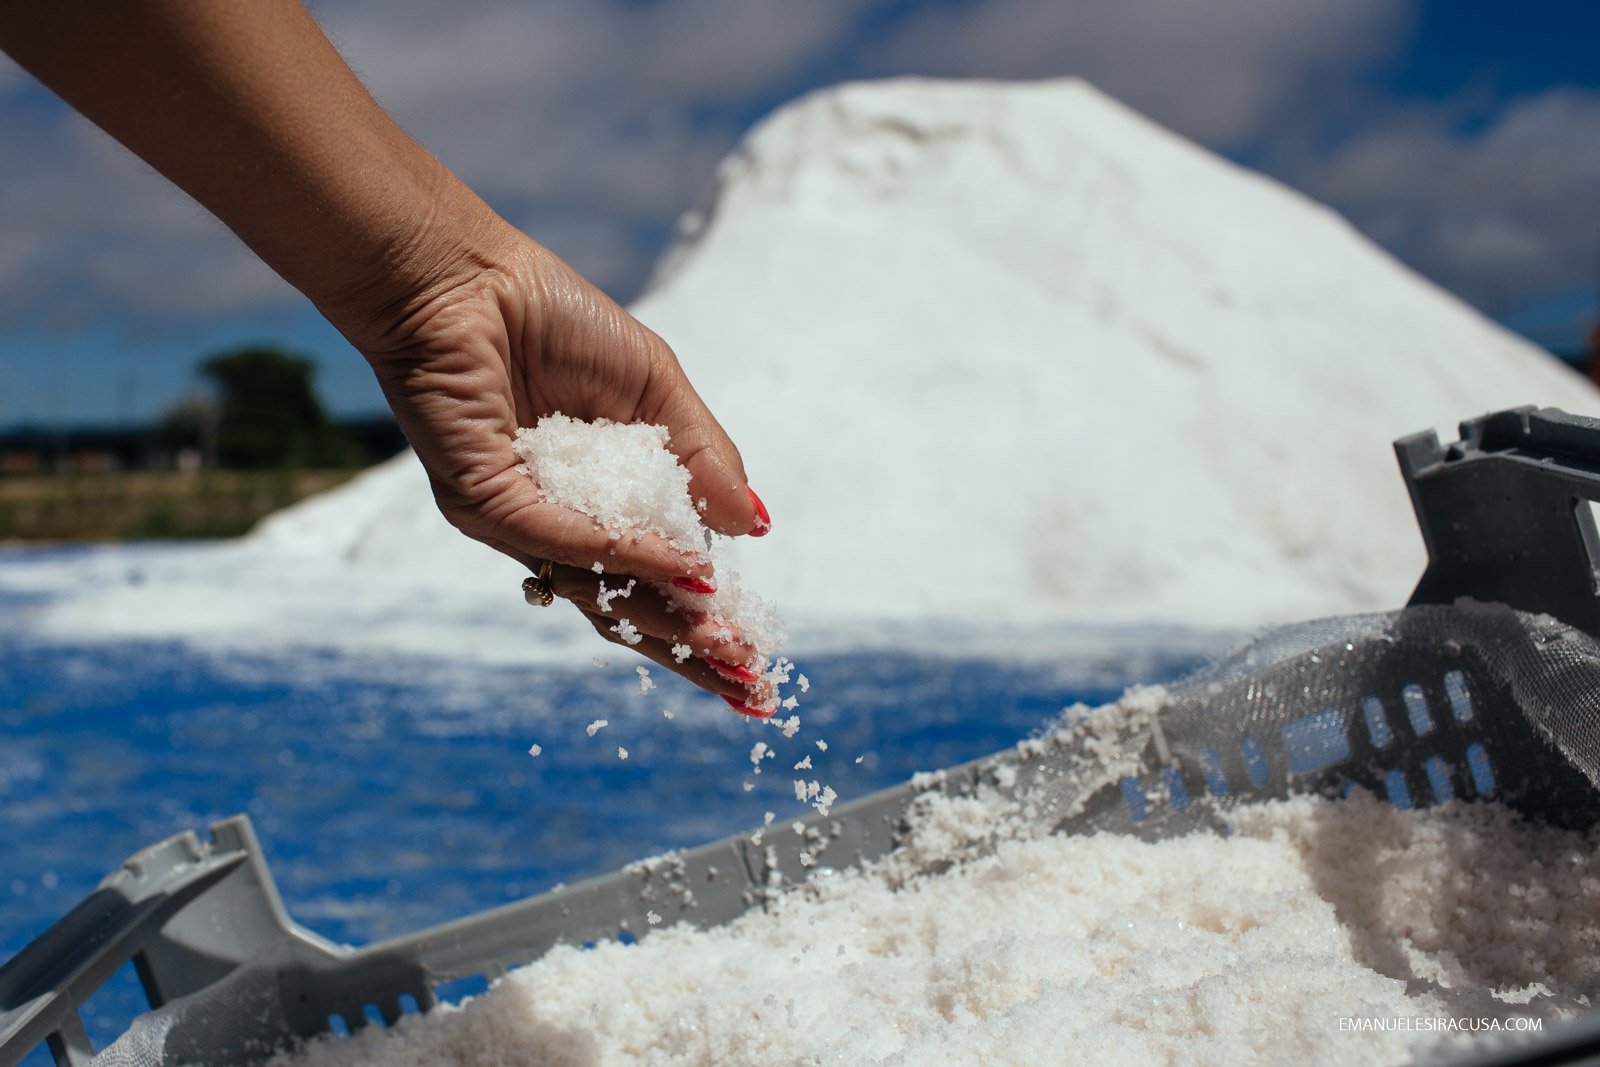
[515, 335]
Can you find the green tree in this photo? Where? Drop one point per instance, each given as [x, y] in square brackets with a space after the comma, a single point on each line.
[269, 412]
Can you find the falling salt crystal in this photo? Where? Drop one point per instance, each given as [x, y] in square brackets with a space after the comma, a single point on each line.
[652, 918]
[645, 684]
[758, 750]
[667, 713]
[791, 726]
[681, 652]
[800, 789]
[598, 568]
[622, 753]
[604, 598]
[627, 631]
[798, 827]
[598, 725]
[791, 702]
[805, 684]
[822, 746]
[860, 758]
[803, 765]
[806, 861]
[749, 786]
[767, 817]
[825, 801]
[535, 750]
[601, 663]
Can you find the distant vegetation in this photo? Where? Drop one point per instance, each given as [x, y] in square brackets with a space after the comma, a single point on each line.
[262, 414]
[252, 439]
[144, 505]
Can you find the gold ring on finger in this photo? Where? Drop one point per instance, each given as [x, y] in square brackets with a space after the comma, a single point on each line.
[536, 587]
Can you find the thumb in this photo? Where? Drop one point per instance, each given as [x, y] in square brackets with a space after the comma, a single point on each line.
[716, 470]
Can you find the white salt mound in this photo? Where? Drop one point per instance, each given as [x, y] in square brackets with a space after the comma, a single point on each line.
[991, 351]
[1300, 937]
[1239, 950]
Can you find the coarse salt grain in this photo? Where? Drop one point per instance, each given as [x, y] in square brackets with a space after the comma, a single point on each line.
[596, 726]
[825, 799]
[625, 477]
[605, 595]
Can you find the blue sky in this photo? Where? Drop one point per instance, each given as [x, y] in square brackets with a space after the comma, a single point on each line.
[1464, 136]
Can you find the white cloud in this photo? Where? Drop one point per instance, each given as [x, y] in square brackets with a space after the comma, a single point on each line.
[583, 122]
[88, 232]
[576, 103]
[1500, 208]
[1221, 72]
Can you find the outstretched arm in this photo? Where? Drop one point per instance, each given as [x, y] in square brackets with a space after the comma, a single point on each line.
[471, 328]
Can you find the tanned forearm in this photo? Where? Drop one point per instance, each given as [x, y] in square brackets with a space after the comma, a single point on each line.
[247, 107]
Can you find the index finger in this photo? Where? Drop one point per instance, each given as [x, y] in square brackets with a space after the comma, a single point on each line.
[549, 531]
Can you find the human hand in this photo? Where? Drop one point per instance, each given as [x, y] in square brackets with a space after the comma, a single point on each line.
[472, 328]
[511, 334]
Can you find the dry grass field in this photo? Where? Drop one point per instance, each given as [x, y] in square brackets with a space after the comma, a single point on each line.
[145, 505]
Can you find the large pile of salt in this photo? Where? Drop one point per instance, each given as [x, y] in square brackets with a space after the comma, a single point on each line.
[1316, 932]
[992, 352]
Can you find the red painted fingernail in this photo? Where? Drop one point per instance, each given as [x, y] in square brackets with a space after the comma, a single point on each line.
[745, 709]
[763, 520]
[695, 585]
[731, 671]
